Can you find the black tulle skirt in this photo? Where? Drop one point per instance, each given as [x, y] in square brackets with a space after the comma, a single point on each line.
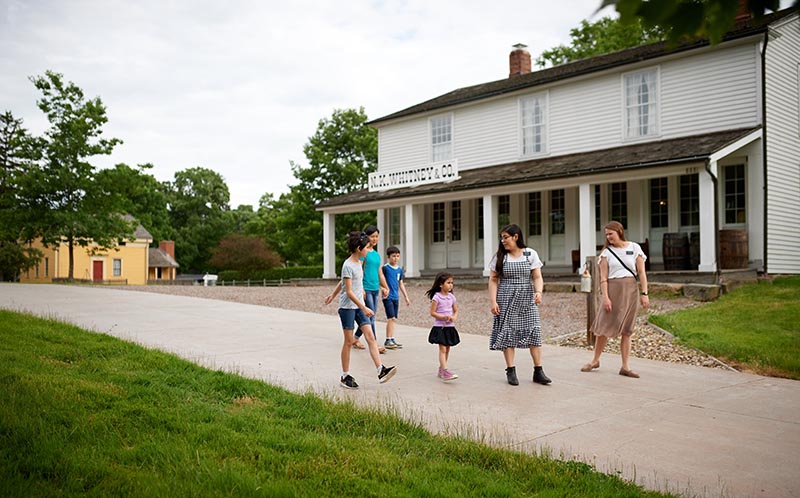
[446, 336]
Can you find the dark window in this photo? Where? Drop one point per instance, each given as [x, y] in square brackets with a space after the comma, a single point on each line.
[438, 221]
[503, 210]
[690, 201]
[619, 203]
[659, 210]
[455, 220]
[479, 217]
[534, 214]
[735, 195]
[597, 217]
[557, 212]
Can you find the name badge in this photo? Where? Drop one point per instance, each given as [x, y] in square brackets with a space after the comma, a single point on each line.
[629, 253]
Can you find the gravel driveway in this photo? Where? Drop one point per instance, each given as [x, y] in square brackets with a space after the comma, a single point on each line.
[563, 315]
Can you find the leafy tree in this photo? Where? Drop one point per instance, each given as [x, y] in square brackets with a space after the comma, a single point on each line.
[198, 205]
[18, 151]
[690, 18]
[600, 37]
[141, 196]
[69, 204]
[243, 253]
[341, 154]
[240, 218]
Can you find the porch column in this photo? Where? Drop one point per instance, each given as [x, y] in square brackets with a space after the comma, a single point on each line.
[586, 224]
[381, 232]
[708, 250]
[490, 230]
[413, 228]
[328, 245]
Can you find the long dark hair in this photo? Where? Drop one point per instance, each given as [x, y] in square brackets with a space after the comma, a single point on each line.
[440, 279]
[512, 230]
[357, 241]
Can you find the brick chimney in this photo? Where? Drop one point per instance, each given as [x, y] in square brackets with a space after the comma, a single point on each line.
[168, 246]
[741, 12]
[519, 61]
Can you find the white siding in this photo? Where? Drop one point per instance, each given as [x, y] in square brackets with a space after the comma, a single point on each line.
[712, 91]
[708, 91]
[783, 149]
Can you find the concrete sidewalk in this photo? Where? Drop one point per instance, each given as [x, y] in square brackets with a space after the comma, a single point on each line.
[692, 430]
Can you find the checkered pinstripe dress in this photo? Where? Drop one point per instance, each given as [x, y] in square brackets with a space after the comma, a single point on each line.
[518, 325]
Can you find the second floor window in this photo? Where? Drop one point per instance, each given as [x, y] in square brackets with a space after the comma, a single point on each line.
[441, 138]
[641, 104]
[533, 113]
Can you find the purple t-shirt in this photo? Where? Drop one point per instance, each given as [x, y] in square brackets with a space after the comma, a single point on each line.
[444, 306]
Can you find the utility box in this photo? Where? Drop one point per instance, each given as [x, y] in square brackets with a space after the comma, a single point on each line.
[209, 280]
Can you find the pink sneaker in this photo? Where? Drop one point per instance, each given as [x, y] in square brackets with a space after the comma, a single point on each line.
[447, 375]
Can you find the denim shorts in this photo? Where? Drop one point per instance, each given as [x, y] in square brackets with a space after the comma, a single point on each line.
[349, 317]
[392, 307]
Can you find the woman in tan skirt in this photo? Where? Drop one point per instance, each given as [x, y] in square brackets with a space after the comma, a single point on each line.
[621, 265]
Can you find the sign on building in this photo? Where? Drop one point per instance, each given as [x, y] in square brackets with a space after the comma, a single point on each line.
[414, 176]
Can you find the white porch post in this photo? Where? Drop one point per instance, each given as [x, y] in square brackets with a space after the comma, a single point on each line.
[490, 230]
[412, 228]
[328, 245]
[708, 251]
[381, 232]
[586, 215]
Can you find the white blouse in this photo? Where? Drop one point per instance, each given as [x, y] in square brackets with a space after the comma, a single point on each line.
[627, 254]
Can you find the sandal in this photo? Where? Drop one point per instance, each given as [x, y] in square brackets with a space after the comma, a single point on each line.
[357, 345]
[381, 349]
[590, 366]
[628, 373]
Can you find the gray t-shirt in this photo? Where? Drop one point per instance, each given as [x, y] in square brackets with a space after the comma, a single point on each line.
[355, 273]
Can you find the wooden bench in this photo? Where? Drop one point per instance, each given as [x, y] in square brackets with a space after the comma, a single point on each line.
[576, 255]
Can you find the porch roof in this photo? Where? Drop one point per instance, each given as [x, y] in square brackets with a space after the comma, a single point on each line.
[160, 259]
[674, 151]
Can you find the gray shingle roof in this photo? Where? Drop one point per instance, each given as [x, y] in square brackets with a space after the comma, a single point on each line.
[160, 259]
[584, 66]
[641, 155]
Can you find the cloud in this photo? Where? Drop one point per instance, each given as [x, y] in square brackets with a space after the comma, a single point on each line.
[238, 87]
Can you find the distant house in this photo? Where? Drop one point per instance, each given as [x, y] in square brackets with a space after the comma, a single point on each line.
[124, 264]
[162, 264]
[694, 142]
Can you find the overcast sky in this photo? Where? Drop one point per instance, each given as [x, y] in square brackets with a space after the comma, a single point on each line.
[239, 86]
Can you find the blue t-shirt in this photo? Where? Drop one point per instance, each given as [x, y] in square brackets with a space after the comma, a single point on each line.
[371, 268]
[393, 277]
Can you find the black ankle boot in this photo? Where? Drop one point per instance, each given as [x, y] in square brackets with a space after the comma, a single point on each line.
[539, 377]
[511, 375]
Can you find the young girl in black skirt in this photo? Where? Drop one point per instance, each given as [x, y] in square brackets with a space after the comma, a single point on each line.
[444, 312]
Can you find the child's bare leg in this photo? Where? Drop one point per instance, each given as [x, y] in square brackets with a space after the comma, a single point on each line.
[348, 342]
[443, 356]
[390, 327]
[372, 344]
[447, 354]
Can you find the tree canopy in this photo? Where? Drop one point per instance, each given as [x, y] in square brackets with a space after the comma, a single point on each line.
[690, 19]
[600, 37]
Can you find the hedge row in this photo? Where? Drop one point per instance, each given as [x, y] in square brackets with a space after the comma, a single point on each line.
[278, 273]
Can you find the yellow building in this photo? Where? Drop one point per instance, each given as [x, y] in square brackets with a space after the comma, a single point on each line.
[126, 263]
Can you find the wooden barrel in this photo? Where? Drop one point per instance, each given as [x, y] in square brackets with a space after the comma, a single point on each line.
[675, 249]
[694, 250]
[733, 252]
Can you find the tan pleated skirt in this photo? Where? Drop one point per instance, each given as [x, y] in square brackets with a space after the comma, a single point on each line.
[624, 294]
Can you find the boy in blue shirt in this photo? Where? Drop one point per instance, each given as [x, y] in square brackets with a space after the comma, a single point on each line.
[394, 279]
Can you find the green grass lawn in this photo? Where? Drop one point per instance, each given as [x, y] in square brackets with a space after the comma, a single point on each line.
[85, 414]
[756, 327]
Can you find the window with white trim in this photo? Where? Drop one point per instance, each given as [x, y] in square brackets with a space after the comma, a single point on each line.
[735, 213]
[117, 268]
[533, 116]
[394, 226]
[534, 214]
[690, 200]
[503, 210]
[455, 221]
[442, 138]
[659, 203]
[619, 202]
[641, 104]
[557, 212]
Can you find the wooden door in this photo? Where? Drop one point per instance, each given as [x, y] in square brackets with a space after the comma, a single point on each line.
[97, 271]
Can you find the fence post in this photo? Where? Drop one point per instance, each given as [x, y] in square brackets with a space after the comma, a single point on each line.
[591, 298]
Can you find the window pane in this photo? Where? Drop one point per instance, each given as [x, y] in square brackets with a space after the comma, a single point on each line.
[619, 203]
[455, 220]
[690, 201]
[479, 217]
[533, 119]
[503, 210]
[735, 194]
[441, 138]
[394, 226]
[659, 210]
[438, 221]
[597, 208]
[641, 106]
[557, 212]
[117, 267]
[534, 214]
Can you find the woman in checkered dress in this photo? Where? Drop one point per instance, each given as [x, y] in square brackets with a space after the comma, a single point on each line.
[515, 291]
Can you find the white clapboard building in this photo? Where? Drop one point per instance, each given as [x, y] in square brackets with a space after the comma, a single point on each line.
[693, 145]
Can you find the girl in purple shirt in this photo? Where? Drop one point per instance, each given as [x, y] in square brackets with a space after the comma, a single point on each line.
[444, 312]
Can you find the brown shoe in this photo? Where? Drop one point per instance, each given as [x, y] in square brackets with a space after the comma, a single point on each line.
[628, 373]
[590, 366]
